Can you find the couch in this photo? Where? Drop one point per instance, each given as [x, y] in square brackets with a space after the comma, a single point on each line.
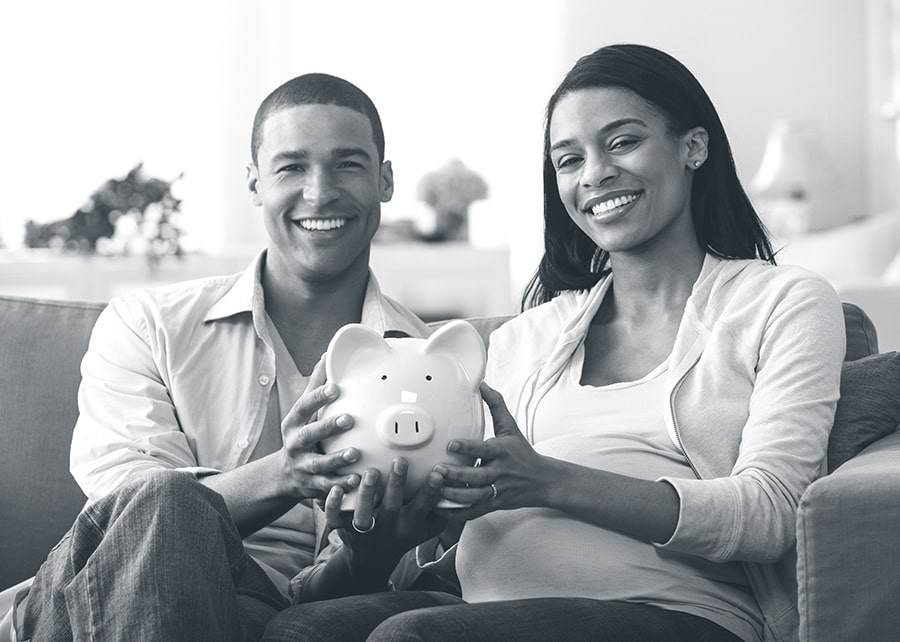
[848, 528]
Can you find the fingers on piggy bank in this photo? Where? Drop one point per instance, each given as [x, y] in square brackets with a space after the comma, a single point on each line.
[409, 398]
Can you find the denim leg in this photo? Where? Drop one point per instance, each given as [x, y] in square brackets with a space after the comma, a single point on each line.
[544, 619]
[160, 559]
[348, 619]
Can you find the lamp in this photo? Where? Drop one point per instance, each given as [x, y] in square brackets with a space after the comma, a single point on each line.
[794, 186]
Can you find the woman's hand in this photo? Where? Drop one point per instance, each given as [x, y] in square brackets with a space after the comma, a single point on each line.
[511, 474]
[306, 472]
[378, 534]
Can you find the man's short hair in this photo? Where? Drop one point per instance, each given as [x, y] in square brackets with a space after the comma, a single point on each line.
[317, 89]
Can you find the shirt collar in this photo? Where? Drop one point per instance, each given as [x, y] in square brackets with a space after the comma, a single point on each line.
[246, 295]
[373, 312]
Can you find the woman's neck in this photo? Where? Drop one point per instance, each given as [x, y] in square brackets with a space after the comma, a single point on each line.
[655, 282]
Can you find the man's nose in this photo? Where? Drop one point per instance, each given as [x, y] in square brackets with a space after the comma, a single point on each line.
[319, 188]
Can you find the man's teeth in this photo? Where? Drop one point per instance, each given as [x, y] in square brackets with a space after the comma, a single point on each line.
[322, 224]
[612, 203]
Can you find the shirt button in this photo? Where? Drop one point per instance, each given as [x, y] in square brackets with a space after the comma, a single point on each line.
[244, 443]
[263, 380]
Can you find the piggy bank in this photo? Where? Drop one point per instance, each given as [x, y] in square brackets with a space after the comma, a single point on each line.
[408, 397]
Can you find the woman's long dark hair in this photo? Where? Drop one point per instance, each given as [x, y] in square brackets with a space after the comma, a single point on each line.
[724, 219]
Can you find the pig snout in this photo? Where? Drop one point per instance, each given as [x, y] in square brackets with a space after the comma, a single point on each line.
[405, 426]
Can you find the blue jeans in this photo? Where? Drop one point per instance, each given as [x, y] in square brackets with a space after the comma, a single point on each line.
[412, 615]
[160, 559]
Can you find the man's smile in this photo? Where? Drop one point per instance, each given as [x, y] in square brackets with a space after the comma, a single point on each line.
[321, 224]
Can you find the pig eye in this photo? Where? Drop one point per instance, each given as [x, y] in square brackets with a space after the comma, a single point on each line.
[383, 377]
[427, 377]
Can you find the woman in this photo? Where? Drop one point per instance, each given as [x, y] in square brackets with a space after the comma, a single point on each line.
[670, 395]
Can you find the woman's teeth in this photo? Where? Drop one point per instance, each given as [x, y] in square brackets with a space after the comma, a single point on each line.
[322, 224]
[619, 201]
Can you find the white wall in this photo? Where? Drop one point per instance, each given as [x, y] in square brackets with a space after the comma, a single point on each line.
[465, 80]
[759, 60]
[90, 88]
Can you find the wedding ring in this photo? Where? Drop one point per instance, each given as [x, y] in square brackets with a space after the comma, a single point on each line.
[493, 492]
[363, 531]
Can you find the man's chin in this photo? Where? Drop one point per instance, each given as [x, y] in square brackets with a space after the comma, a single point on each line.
[328, 269]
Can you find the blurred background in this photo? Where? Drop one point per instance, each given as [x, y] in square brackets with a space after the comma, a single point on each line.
[808, 91]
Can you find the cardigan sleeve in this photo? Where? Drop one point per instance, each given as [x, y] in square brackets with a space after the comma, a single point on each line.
[749, 514]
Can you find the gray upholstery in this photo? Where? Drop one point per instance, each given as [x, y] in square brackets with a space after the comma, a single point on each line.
[41, 345]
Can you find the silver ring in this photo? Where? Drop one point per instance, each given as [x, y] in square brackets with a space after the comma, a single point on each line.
[493, 492]
[363, 531]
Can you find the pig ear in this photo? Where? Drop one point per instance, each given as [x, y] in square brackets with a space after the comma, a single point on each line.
[460, 340]
[347, 344]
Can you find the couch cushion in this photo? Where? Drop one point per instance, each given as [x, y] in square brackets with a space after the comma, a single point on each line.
[869, 408]
[484, 325]
[41, 345]
[862, 340]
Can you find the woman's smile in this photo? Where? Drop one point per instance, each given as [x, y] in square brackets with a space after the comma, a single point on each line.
[606, 208]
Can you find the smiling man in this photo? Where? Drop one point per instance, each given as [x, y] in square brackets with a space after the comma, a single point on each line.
[197, 438]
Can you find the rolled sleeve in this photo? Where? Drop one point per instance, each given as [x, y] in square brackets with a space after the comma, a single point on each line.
[127, 422]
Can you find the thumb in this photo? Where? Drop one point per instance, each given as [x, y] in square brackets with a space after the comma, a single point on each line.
[504, 423]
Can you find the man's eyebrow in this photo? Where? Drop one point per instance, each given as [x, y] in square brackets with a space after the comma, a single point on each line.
[567, 142]
[344, 152]
[290, 155]
[337, 152]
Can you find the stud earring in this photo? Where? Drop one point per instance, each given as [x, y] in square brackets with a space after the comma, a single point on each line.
[697, 164]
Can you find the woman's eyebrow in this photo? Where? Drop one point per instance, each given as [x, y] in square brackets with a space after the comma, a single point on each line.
[566, 142]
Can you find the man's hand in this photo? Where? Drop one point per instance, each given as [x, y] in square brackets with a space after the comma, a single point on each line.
[377, 535]
[306, 472]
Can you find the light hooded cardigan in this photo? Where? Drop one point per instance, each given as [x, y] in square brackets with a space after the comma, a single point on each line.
[752, 386]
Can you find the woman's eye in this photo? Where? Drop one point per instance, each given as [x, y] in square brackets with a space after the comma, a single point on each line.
[566, 161]
[621, 143]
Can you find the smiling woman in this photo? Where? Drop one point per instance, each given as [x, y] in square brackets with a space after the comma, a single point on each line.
[668, 386]
[626, 182]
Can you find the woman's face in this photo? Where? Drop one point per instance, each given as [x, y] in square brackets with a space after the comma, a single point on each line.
[622, 177]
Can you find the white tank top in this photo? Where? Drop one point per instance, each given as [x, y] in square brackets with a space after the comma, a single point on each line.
[537, 552]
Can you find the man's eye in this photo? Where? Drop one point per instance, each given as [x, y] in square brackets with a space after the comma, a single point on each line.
[349, 165]
[291, 168]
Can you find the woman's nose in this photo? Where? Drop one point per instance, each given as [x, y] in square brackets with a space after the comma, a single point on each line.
[596, 170]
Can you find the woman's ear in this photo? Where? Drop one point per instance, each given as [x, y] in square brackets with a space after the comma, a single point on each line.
[697, 141]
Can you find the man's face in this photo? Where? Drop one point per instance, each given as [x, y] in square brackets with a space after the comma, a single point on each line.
[320, 185]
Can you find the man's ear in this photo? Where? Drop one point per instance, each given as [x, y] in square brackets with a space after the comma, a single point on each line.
[697, 140]
[387, 181]
[253, 184]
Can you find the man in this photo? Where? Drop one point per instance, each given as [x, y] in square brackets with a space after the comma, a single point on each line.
[199, 466]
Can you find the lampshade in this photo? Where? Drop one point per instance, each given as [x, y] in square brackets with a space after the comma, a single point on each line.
[794, 161]
[794, 187]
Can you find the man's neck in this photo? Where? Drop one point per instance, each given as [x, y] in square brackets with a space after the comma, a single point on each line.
[307, 313]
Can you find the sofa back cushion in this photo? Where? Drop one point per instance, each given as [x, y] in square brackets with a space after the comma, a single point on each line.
[869, 408]
[862, 340]
[41, 345]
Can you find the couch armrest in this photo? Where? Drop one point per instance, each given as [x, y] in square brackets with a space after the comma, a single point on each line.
[848, 549]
